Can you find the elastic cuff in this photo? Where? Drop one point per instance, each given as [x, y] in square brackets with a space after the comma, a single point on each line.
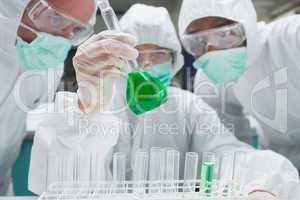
[262, 191]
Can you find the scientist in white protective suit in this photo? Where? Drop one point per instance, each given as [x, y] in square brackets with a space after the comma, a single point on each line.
[35, 39]
[157, 49]
[258, 62]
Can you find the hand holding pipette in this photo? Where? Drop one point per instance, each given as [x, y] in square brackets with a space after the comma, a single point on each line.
[112, 23]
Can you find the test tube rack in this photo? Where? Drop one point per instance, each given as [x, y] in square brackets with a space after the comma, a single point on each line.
[146, 190]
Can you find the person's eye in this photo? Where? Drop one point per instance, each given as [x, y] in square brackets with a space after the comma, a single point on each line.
[224, 34]
[201, 43]
[78, 29]
[157, 55]
[56, 19]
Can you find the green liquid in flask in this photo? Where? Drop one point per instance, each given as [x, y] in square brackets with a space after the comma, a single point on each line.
[207, 172]
[144, 92]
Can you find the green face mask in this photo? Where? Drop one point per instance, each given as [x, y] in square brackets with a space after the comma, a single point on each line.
[44, 52]
[163, 72]
[223, 66]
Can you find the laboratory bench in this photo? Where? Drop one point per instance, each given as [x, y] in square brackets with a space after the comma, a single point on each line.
[17, 198]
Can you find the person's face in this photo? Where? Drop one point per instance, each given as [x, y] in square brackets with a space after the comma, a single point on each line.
[205, 24]
[80, 11]
[151, 54]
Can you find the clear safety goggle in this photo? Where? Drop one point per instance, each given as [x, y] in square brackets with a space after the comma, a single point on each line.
[224, 37]
[50, 20]
[148, 58]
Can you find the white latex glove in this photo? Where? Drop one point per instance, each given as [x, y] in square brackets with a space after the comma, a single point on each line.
[261, 195]
[98, 65]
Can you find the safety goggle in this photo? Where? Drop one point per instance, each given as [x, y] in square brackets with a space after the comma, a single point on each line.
[149, 58]
[224, 37]
[50, 20]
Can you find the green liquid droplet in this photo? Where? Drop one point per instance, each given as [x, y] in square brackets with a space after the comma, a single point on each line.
[144, 92]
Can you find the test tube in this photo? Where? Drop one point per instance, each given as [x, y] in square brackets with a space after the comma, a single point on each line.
[112, 23]
[157, 168]
[207, 171]
[226, 172]
[172, 169]
[238, 174]
[97, 168]
[119, 171]
[140, 171]
[172, 165]
[119, 166]
[190, 171]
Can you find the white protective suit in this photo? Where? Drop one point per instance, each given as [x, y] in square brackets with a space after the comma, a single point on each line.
[269, 89]
[20, 91]
[179, 122]
[219, 97]
[184, 122]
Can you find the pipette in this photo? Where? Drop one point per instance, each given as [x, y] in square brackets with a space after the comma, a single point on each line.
[112, 23]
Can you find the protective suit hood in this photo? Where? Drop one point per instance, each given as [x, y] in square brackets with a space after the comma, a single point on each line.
[153, 25]
[11, 12]
[241, 11]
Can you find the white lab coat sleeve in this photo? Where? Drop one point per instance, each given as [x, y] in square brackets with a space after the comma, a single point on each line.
[284, 34]
[222, 99]
[51, 81]
[272, 172]
[264, 170]
[206, 130]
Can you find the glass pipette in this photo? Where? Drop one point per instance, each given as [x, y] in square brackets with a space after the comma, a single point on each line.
[112, 23]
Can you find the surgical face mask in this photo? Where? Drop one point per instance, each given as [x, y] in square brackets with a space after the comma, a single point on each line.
[163, 72]
[223, 66]
[44, 52]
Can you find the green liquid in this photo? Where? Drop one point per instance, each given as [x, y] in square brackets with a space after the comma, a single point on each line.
[144, 92]
[207, 172]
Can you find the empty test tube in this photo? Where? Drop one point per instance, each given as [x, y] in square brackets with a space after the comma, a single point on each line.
[157, 168]
[226, 172]
[207, 170]
[191, 166]
[172, 169]
[172, 165]
[226, 166]
[140, 169]
[119, 167]
[238, 174]
[190, 171]
[157, 164]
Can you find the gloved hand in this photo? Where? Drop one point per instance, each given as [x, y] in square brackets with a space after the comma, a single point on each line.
[98, 65]
[261, 195]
